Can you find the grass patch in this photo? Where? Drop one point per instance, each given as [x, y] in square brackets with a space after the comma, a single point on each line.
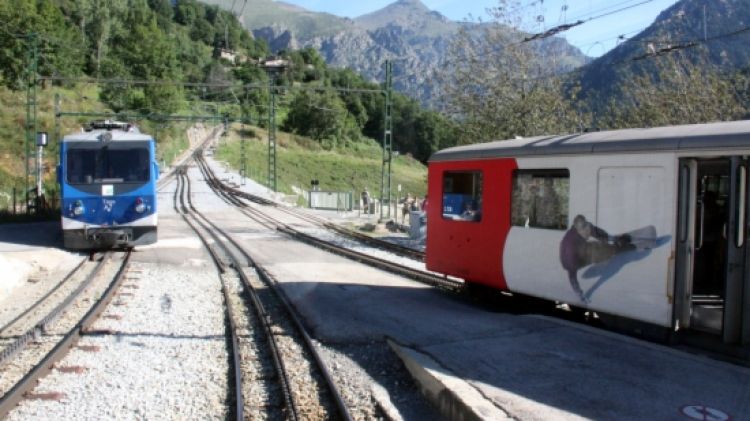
[299, 160]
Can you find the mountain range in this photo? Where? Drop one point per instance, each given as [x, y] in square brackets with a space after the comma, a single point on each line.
[417, 39]
[406, 31]
[707, 34]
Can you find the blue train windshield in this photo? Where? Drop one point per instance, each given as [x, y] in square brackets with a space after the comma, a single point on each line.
[107, 164]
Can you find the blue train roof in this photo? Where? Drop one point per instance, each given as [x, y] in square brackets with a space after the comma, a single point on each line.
[734, 134]
[97, 136]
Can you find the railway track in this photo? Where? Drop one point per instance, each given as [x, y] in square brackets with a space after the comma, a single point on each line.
[315, 220]
[232, 197]
[46, 339]
[165, 179]
[273, 355]
[35, 320]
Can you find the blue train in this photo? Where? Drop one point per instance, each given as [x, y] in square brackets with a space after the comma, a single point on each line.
[107, 177]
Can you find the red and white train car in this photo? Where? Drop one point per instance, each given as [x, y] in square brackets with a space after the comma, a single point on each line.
[647, 224]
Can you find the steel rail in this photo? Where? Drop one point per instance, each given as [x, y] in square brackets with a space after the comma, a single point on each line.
[268, 279]
[167, 178]
[260, 311]
[41, 326]
[383, 264]
[273, 285]
[46, 365]
[322, 222]
[379, 263]
[229, 313]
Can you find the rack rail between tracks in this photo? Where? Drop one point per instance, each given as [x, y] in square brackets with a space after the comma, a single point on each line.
[204, 228]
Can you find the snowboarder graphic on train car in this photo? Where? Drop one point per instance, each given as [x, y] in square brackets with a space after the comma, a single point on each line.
[585, 244]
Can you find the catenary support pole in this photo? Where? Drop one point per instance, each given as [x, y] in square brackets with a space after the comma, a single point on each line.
[385, 182]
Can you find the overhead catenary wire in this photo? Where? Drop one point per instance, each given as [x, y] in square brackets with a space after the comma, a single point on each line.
[567, 26]
[553, 31]
[621, 36]
[607, 10]
[668, 49]
[689, 44]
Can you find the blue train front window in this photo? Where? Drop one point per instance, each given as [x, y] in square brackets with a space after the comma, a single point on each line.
[107, 164]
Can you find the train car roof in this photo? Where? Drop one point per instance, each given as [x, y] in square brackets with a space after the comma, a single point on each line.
[117, 136]
[732, 134]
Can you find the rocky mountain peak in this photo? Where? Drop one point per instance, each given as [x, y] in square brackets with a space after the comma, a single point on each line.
[412, 14]
[412, 3]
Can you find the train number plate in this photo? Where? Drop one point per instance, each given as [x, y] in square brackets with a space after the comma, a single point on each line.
[108, 190]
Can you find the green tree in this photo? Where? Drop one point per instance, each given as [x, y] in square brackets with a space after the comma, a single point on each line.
[59, 44]
[164, 13]
[18, 19]
[145, 53]
[316, 114]
[356, 103]
[677, 91]
[499, 87]
[186, 12]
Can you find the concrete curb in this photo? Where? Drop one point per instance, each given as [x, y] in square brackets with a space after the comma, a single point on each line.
[455, 398]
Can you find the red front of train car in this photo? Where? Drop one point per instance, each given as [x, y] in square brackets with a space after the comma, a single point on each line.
[466, 247]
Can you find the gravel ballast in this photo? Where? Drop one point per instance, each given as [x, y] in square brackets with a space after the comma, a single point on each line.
[160, 351]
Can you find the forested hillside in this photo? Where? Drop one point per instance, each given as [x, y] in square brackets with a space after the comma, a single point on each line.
[187, 57]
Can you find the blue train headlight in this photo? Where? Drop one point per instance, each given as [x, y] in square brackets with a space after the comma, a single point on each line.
[78, 208]
[140, 207]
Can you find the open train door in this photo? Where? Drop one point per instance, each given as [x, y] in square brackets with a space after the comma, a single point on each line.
[737, 291]
[712, 276]
[688, 175]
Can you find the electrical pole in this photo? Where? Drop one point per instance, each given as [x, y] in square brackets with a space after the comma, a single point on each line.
[274, 68]
[57, 126]
[31, 122]
[272, 135]
[243, 151]
[385, 180]
[41, 143]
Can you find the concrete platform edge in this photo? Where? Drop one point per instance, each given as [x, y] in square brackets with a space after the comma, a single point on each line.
[456, 399]
[678, 353]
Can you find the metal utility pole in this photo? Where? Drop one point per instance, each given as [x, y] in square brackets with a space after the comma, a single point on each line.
[272, 136]
[273, 68]
[385, 180]
[31, 122]
[41, 143]
[243, 151]
[57, 126]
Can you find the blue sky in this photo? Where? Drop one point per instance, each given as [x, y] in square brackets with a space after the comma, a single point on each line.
[593, 38]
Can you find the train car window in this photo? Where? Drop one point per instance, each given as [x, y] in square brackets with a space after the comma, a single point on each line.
[462, 196]
[540, 199]
[107, 165]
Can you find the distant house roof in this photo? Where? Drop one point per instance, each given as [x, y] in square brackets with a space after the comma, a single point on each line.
[733, 134]
[275, 63]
